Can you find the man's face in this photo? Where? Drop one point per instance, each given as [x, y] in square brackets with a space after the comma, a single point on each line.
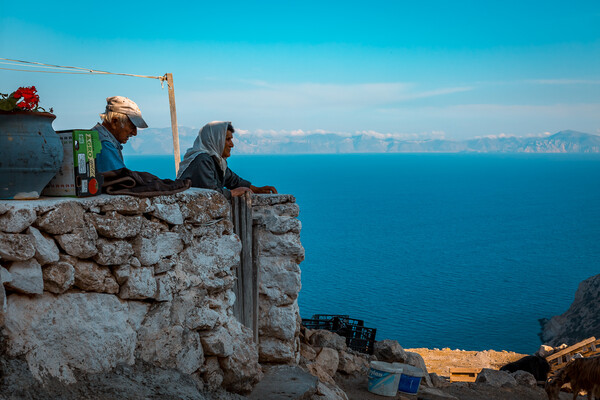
[228, 144]
[123, 133]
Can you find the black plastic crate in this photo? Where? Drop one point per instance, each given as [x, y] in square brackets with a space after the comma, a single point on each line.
[358, 337]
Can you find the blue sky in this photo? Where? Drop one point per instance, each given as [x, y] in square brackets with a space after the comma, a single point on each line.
[429, 69]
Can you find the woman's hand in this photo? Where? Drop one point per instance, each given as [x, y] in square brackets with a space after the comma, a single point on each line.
[240, 191]
[263, 189]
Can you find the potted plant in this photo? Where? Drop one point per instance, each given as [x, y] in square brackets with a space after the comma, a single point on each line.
[31, 152]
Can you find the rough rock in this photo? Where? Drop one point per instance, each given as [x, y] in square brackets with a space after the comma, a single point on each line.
[524, 378]
[58, 277]
[241, 369]
[545, 351]
[63, 218]
[278, 322]
[389, 351]
[5, 276]
[113, 252]
[202, 318]
[213, 374]
[275, 350]
[26, 277]
[217, 343]
[139, 283]
[495, 378]
[580, 321]
[16, 247]
[350, 364]
[128, 205]
[279, 279]
[170, 213]
[113, 225]
[46, 250]
[166, 345]
[81, 242]
[329, 360]
[99, 328]
[438, 381]
[318, 371]
[309, 353]
[287, 245]
[327, 391]
[91, 277]
[323, 338]
[17, 220]
[416, 360]
[151, 250]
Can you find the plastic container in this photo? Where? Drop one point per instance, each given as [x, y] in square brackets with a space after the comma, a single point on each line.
[410, 379]
[384, 378]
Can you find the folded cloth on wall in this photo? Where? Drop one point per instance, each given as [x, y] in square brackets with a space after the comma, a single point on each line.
[141, 184]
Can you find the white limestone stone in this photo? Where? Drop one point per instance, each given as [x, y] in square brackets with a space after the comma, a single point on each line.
[91, 277]
[217, 342]
[89, 332]
[202, 318]
[5, 276]
[287, 245]
[273, 350]
[17, 219]
[140, 284]
[58, 277]
[46, 250]
[170, 213]
[26, 277]
[114, 225]
[212, 374]
[241, 369]
[166, 345]
[81, 242]
[112, 252]
[329, 360]
[278, 322]
[151, 250]
[279, 279]
[62, 218]
[16, 247]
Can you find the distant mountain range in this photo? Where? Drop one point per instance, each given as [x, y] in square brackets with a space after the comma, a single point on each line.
[159, 141]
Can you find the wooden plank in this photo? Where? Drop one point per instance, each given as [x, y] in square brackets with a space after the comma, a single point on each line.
[255, 280]
[174, 129]
[246, 236]
[574, 348]
[463, 374]
[238, 305]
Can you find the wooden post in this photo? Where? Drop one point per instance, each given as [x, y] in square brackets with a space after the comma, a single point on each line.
[245, 308]
[174, 130]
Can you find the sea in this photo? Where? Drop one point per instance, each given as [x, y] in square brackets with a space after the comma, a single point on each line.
[461, 251]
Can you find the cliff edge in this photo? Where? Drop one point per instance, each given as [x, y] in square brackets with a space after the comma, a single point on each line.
[580, 321]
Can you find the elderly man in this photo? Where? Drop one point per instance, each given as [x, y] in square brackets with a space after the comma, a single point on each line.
[120, 121]
[205, 163]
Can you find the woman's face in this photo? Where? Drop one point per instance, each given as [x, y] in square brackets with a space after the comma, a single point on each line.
[228, 144]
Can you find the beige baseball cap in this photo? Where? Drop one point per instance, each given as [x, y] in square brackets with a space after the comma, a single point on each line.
[126, 106]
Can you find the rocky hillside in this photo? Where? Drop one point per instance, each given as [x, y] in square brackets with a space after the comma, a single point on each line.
[159, 141]
[580, 321]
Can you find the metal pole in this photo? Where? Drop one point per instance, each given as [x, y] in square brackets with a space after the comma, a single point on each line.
[176, 152]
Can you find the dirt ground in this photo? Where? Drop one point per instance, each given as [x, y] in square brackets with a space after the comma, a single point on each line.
[440, 362]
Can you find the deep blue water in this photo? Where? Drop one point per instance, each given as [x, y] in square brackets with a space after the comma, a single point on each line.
[438, 250]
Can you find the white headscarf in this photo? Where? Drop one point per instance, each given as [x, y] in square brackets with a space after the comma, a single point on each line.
[211, 141]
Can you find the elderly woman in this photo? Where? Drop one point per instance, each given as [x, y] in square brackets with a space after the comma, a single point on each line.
[205, 163]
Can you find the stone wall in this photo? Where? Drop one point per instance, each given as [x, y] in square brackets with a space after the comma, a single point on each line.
[277, 238]
[92, 284]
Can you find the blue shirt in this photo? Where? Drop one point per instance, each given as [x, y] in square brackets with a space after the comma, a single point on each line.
[110, 157]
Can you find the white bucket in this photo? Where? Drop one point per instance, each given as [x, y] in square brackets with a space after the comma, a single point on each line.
[384, 378]
[410, 379]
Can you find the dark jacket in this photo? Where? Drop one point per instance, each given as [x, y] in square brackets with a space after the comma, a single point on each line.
[204, 172]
